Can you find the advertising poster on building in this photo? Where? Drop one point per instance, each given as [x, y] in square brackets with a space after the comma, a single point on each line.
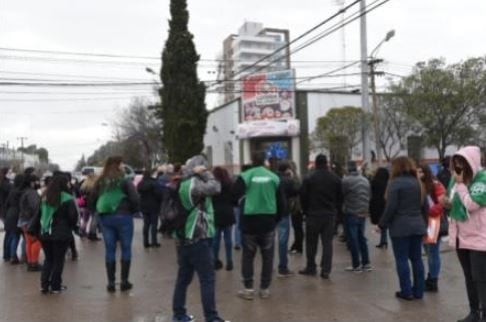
[269, 96]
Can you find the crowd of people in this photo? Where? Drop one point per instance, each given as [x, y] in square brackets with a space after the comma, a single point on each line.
[255, 210]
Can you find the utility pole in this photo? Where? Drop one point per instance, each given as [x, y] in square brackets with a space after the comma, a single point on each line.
[376, 112]
[365, 98]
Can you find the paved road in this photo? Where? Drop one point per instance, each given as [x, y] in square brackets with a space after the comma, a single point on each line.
[346, 297]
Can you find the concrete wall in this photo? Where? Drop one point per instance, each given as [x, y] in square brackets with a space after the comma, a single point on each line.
[220, 137]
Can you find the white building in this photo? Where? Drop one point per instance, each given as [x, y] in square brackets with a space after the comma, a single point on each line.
[225, 147]
[240, 51]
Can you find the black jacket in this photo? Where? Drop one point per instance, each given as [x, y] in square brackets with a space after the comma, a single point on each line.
[150, 193]
[290, 189]
[12, 210]
[377, 202]
[5, 188]
[64, 222]
[321, 194]
[223, 207]
[128, 206]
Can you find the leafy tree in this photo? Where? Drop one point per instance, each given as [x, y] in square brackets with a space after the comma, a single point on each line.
[445, 101]
[339, 131]
[43, 154]
[182, 109]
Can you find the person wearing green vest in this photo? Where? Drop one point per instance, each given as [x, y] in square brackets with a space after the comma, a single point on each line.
[263, 206]
[115, 199]
[58, 218]
[466, 200]
[195, 241]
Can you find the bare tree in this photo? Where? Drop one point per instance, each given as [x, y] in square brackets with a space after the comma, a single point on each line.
[395, 124]
[137, 124]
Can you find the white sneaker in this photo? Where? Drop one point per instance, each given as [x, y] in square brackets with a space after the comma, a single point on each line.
[247, 294]
[356, 270]
[265, 293]
[367, 268]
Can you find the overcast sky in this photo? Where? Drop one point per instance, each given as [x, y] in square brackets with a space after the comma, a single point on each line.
[69, 121]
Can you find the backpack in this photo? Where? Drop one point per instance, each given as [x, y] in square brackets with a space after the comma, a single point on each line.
[173, 214]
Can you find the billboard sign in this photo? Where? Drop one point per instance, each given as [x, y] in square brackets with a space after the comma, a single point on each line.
[269, 128]
[269, 96]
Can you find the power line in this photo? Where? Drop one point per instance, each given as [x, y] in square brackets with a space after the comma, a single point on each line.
[331, 30]
[70, 75]
[72, 53]
[296, 39]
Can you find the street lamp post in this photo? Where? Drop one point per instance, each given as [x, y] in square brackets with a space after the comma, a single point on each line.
[376, 113]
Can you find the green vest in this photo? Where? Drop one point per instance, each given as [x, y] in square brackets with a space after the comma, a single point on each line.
[477, 191]
[261, 188]
[48, 211]
[185, 190]
[110, 198]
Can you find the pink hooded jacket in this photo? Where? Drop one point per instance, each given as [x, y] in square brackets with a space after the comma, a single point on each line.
[471, 233]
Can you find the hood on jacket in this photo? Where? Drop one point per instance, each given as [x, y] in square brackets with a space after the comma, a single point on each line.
[193, 162]
[472, 154]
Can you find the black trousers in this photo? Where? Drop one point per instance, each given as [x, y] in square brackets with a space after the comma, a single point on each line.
[150, 222]
[474, 267]
[251, 243]
[55, 252]
[323, 227]
[298, 225]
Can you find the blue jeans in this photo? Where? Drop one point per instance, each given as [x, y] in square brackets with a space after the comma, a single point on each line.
[117, 228]
[433, 258]
[237, 211]
[283, 229]
[197, 257]
[355, 229]
[405, 249]
[228, 243]
[10, 244]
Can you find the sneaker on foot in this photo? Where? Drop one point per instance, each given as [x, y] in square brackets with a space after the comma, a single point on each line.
[367, 268]
[282, 273]
[218, 264]
[353, 269]
[264, 293]
[184, 318]
[229, 266]
[247, 294]
[324, 275]
[308, 272]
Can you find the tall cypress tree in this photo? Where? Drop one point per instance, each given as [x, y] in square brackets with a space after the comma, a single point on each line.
[182, 110]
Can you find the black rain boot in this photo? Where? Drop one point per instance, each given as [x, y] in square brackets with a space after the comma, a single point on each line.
[474, 316]
[125, 271]
[431, 284]
[110, 272]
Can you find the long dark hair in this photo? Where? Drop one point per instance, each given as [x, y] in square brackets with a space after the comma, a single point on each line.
[57, 185]
[111, 171]
[428, 181]
[381, 177]
[458, 160]
[222, 175]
